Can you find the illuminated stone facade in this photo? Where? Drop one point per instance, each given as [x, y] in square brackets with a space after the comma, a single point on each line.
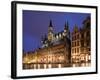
[80, 44]
[62, 49]
[55, 51]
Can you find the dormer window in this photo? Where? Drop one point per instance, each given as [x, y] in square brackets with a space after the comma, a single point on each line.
[60, 35]
[57, 36]
[63, 34]
[65, 31]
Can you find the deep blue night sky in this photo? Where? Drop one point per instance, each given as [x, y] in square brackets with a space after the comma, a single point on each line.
[35, 24]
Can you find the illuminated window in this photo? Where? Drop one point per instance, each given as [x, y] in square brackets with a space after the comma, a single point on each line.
[89, 57]
[82, 58]
[86, 57]
[60, 35]
[88, 49]
[72, 50]
[77, 50]
[82, 43]
[77, 43]
[63, 34]
[57, 36]
[77, 36]
[72, 38]
[82, 35]
[72, 44]
[64, 30]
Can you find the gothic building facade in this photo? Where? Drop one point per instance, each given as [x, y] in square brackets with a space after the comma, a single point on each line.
[62, 49]
[55, 38]
[55, 50]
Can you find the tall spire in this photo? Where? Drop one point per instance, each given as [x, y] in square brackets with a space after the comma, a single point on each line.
[50, 25]
[66, 30]
[50, 28]
[50, 32]
[66, 26]
[75, 28]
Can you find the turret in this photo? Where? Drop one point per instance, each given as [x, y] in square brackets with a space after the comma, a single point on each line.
[66, 30]
[50, 32]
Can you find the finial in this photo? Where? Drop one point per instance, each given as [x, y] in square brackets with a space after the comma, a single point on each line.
[50, 25]
[67, 25]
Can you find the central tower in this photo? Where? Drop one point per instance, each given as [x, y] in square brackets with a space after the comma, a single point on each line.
[50, 32]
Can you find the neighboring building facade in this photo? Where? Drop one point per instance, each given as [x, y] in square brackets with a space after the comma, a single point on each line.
[81, 44]
[75, 45]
